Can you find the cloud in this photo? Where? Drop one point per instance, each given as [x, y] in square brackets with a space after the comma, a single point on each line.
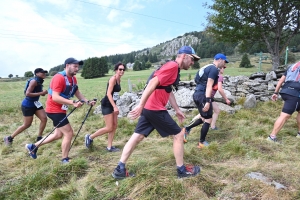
[44, 33]
[113, 14]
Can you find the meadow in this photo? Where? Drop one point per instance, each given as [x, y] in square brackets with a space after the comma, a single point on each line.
[238, 148]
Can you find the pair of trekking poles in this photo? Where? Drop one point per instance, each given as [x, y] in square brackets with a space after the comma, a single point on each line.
[87, 114]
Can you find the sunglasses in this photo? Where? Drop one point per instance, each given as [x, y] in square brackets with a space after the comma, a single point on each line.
[121, 69]
[191, 57]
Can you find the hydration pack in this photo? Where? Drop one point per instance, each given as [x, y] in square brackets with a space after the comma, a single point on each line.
[69, 90]
[292, 81]
[168, 88]
[39, 86]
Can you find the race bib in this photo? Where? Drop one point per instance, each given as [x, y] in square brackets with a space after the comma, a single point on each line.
[64, 107]
[38, 104]
[116, 96]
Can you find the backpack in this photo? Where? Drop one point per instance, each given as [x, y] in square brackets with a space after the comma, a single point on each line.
[39, 83]
[168, 88]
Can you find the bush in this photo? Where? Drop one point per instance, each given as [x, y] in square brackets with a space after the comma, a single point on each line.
[53, 73]
[28, 74]
[245, 62]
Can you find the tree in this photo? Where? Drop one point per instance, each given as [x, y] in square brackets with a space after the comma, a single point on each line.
[245, 62]
[137, 66]
[17, 76]
[28, 74]
[94, 67]
[10, 75]
[273, 23]
[148, 65]
[53, 73]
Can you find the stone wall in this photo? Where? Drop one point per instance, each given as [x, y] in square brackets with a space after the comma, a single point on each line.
[257, 87]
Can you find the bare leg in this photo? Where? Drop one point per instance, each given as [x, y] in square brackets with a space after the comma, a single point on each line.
[298, 121]
[66, 143]
[42, 116]
[131, 144]
[112, 133]
[109, 119]
[215, 115]
[178, 147]
[26, 124]
[279, 123]
[55, 136]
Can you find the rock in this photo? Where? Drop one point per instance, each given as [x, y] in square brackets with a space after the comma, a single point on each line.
[264, 179]
[250, 101]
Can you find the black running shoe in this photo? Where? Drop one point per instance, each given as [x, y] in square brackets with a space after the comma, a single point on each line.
[189, 170]
[39, 138]
[121, 173]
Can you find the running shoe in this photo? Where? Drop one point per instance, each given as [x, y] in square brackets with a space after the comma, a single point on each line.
[88, 141]
[121, 173]
[8, 140]
[65, 160]
[273, 140]
[39, 138]
[202, 144]
[112, 149]
[188, 171]
[31, 150]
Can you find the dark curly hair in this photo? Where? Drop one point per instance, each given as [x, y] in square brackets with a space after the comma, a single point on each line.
[118, 64]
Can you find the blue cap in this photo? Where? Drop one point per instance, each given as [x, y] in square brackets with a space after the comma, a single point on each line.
[221, 56]
[188, 50]
[73, 61]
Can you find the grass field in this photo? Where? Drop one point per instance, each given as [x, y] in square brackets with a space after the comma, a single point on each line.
[239, 147]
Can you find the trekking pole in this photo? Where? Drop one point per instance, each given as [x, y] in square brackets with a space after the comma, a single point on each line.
[87, 114]
[52, 130]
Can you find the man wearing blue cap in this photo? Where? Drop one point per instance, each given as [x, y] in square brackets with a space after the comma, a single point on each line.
[206, 78]
[63, 86]
[153, 114]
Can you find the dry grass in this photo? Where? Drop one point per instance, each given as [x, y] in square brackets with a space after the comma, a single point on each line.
[238, 148]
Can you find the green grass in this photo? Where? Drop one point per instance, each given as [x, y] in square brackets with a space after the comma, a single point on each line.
[239, 147]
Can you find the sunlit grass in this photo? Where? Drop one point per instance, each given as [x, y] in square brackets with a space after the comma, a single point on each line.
[239, 147]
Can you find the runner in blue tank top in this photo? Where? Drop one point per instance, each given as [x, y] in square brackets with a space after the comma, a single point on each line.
[31, 105]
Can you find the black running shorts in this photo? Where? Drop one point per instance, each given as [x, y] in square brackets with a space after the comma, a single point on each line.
[159, 120]
[107, 110]
[200, 100]
[30, 111]
[59, 119]
[291, 104]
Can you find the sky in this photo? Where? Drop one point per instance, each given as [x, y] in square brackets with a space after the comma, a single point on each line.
[44, 33]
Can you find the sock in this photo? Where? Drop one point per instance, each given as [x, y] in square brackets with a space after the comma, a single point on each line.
[121, 165]
[181, 168]
[10, 138]
[194, 123]
[90, 138]
[272, 137]
[204, 131]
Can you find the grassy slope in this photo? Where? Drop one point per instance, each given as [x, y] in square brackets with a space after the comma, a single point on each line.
[238, 148]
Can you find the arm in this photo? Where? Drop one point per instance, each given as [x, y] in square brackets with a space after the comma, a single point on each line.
[221, 91]
[209, 86]
[31, 87]
[278, 86]
[147, 92]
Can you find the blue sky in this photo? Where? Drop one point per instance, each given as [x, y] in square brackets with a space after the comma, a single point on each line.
[43, 33]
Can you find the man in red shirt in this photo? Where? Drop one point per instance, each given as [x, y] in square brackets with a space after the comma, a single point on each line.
[63, 86]
[155, 116]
